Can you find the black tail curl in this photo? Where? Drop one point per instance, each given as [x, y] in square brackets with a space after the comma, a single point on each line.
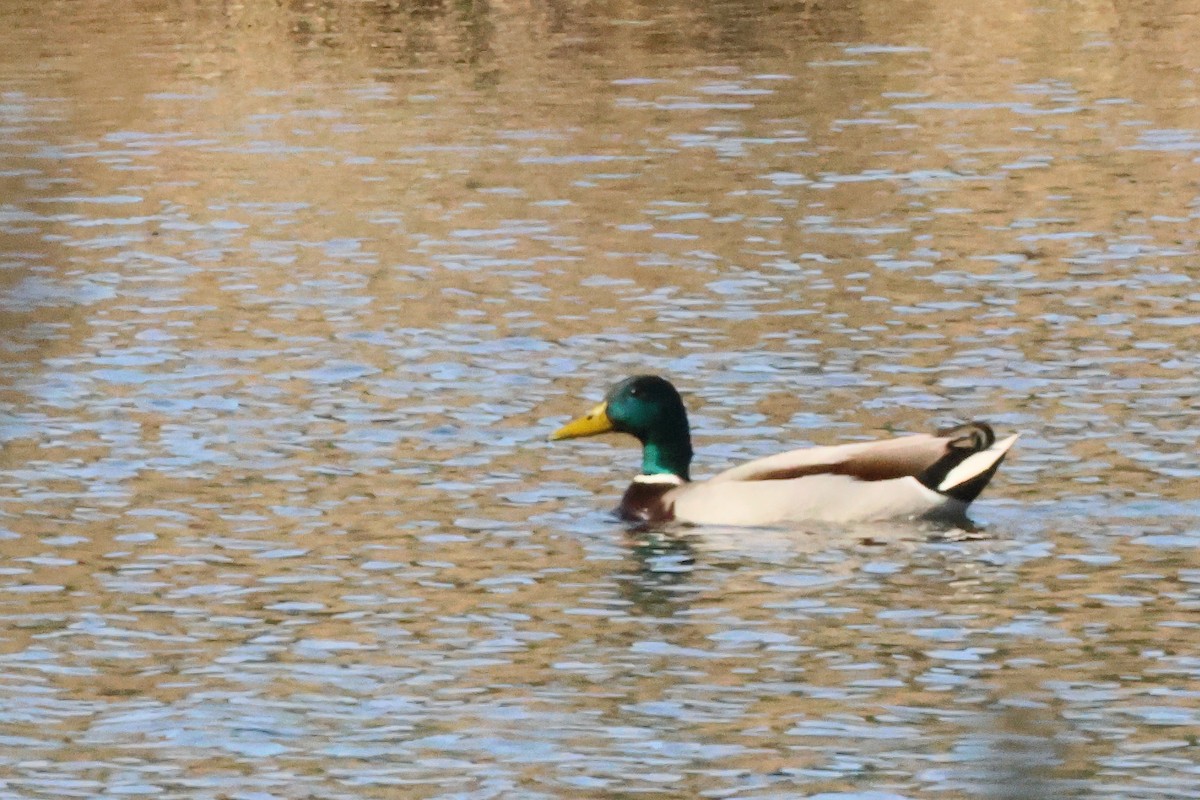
[971, 437]
[965, 441]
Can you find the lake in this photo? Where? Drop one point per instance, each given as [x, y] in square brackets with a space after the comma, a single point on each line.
[293, 294]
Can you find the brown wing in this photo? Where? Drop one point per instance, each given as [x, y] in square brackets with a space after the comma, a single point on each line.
[870, 461]
[867, 467]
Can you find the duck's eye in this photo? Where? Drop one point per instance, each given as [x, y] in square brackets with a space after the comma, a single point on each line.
[634, 391]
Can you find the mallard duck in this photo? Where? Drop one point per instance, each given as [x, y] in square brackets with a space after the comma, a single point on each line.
[917, 476]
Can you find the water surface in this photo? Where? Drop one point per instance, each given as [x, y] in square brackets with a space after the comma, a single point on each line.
[291, 297]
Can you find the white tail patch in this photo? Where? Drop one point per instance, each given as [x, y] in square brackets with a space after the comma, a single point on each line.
[976, 464]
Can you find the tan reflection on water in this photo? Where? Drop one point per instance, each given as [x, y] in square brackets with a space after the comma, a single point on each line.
[292, 296]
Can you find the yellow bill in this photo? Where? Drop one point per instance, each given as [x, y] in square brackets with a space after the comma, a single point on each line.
[594, 422]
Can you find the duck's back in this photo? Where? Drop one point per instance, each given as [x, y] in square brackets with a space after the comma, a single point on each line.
[909, 476]
[877, 460]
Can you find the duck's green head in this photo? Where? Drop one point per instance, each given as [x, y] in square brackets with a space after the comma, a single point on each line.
[649, 408]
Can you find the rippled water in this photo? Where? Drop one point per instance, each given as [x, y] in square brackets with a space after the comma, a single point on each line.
[291, 297]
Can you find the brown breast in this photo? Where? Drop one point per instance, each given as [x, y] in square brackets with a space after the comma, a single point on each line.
[647, 502]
